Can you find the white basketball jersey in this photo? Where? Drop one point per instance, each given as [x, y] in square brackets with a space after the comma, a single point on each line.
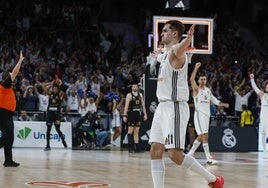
[172, 84]
[264, 108]
[202, 101]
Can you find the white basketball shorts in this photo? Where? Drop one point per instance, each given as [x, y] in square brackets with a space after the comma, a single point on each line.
[201, 123]
[170, 123]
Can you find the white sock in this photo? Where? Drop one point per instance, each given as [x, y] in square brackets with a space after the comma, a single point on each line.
[194, 147]
[158, 172]
[206, 149]
[190, 163]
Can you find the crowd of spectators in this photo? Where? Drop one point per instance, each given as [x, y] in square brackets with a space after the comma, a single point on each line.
[70, 43]
[61, 42]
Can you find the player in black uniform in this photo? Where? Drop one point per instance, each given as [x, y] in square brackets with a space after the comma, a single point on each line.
[54, 114]
[133, 111]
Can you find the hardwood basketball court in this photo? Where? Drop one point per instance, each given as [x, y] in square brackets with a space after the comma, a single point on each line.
[120, 169]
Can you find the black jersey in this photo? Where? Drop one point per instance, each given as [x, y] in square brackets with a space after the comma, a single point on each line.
[135, 103]
[54, 103]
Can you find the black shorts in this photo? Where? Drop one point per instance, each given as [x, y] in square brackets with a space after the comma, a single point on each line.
[53, 117]
[134, 118]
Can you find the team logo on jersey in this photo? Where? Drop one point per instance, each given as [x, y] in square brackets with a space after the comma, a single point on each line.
[228, 138]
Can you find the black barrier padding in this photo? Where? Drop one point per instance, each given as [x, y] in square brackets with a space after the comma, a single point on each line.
[232, 139]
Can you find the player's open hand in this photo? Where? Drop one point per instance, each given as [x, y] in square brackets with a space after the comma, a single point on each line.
[191, 30]
[21, 56]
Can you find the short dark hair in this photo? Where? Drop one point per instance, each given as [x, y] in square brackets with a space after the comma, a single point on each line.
[202, 73]
[176, 25]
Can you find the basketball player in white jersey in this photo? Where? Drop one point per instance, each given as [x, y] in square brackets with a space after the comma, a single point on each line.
[172, 114]
[202, 100]
[116, 121]
[263, 113]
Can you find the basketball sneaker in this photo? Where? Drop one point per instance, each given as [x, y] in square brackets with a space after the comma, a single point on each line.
[212, 161]
[11, 164]
[218, 183]
[113, 143]
[47, 148]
